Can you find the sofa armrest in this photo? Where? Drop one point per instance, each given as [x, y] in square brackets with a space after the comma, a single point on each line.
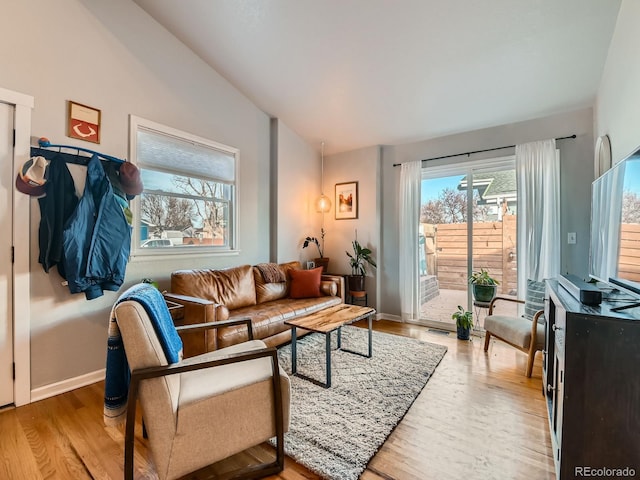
[198, 311]
[213, 325]
[338, 280]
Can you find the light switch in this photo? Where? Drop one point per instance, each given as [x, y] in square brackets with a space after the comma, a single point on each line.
[571, 238]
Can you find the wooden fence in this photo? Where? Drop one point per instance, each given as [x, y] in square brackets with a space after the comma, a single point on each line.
[494, 249]
[629, 260]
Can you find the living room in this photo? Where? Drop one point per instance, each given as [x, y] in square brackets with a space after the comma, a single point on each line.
[114, 56]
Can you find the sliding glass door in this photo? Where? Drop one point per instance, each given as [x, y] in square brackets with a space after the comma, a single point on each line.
[467, 223]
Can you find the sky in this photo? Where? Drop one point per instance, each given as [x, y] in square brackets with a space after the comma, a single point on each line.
[431, 188]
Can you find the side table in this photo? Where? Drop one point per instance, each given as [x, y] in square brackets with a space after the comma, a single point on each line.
[175, 309]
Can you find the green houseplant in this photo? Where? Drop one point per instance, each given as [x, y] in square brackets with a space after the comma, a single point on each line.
[358, 260]
[464, 322]
[320, 261]
[484, 285]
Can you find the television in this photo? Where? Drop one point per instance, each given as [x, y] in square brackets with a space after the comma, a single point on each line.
[614, 255]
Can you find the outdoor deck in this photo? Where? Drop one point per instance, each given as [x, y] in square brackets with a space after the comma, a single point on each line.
[440, 308]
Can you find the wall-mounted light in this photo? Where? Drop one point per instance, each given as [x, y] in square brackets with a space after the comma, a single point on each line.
[323, 203]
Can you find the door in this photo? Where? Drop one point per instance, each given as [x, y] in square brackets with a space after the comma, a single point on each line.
[467, 223]
[6, 265]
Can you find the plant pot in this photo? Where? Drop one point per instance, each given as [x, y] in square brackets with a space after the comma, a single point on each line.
[322, 262]
[355, 283]
[463, 333]
[484, 293]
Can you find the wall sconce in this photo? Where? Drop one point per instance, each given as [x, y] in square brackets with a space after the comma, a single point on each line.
[323, 203]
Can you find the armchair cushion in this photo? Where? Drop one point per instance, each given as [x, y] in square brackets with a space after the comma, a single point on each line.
[515, 330]
[534, 300]
[305, 283]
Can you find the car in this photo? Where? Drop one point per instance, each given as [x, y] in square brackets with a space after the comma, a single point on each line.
[156, 242]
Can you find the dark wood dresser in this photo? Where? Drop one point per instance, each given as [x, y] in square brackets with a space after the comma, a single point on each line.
[591, 379]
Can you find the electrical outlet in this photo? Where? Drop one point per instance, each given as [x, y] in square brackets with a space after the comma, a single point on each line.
[571, 238]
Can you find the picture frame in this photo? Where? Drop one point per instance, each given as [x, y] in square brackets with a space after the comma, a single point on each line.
[346, 201]
[83, 122]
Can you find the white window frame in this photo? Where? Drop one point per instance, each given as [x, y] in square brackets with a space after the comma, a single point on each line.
[138, 123]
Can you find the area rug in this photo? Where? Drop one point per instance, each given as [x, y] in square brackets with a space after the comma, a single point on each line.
[334, 432]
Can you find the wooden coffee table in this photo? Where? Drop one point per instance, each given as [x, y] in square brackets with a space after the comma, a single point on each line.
[327, 321]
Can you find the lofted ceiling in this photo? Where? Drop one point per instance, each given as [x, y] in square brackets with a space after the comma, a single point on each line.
[356, 73]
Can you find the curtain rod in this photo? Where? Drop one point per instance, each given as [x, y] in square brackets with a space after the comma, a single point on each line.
[477, 151]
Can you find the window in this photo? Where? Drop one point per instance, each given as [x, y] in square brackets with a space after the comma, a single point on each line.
[189, 197]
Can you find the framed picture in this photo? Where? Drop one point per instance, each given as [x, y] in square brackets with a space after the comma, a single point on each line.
[346, 200]
[83, 122]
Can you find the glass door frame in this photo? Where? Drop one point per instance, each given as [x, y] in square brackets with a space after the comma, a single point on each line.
[467, 168]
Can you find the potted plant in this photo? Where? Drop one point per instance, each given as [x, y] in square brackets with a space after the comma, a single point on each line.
[358, 260]
[464, 322]
[321, 261]
[484, 286]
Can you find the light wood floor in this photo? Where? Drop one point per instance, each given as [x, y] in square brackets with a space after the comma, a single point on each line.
[478, 417]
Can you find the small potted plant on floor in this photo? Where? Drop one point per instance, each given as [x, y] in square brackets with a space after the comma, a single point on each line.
[358, 260]
[484, 286]
[464, 322]
[321, 261]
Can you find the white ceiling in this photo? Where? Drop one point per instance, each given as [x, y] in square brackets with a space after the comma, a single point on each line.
[356, 73]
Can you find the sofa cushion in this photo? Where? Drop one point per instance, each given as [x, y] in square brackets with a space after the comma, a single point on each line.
[268, 292]
[232, 287]
[268, 319]
[305, 283]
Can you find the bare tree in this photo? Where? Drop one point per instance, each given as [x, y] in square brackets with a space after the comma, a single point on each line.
[209, 212]
[451, 207]
[630, 207]
[167, 213]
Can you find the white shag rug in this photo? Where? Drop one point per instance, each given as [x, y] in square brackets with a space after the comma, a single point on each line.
[334, 432]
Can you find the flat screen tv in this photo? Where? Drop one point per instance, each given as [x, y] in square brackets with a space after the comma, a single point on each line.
[615, 226]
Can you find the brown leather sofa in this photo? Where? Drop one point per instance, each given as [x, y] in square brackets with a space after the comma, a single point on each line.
[215, 295]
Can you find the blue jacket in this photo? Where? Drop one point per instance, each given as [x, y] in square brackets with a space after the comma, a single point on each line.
[97, 238]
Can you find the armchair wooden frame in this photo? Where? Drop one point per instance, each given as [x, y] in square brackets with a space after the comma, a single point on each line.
[532, 348]
[191, 364]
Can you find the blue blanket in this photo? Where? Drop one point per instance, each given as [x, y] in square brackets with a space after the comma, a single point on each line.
[117, 376]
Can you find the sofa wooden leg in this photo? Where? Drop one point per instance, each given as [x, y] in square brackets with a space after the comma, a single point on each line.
[487, 337]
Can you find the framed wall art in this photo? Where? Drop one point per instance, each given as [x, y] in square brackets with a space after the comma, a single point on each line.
[83, 122]
[346, 200]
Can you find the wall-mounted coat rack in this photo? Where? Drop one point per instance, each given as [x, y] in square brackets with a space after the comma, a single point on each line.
[44, 144]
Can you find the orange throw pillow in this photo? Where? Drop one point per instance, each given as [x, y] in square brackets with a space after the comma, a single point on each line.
[305, 283]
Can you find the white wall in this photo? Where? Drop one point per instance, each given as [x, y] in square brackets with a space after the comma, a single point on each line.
[112, 56]
[297, 187]
[619, 92]
[362, 166]
[576, 172]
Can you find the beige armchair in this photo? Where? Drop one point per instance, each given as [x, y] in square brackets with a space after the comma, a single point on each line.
[519, 332]
[205, 408]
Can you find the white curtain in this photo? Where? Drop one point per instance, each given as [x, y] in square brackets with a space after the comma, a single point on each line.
[410, 174]
[605, 218]
[538, 179]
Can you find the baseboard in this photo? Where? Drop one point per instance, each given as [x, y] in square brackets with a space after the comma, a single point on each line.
[67, 385]
[388, 316]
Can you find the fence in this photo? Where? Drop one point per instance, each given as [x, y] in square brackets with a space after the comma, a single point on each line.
[629, 259]
[494, 249]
